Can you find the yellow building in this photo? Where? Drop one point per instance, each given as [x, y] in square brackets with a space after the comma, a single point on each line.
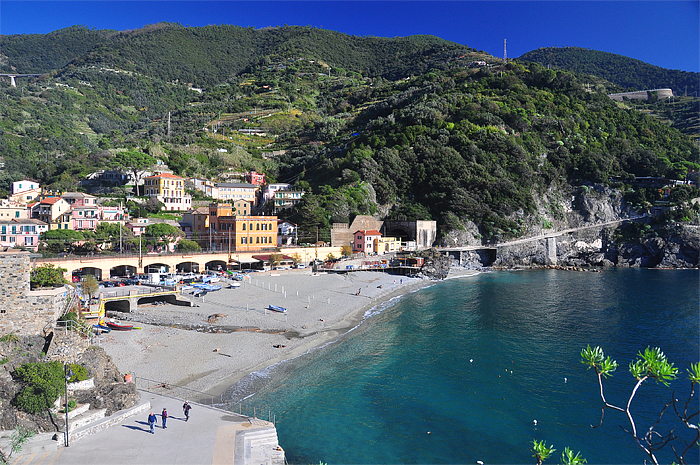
[246, 233]
[384, 245]
[169, 189]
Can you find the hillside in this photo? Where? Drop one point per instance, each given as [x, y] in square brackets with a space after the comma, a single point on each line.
[207, 56]
[400, 128]
[628, 73]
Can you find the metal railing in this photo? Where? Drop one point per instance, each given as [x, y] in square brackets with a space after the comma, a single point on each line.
[164, 388]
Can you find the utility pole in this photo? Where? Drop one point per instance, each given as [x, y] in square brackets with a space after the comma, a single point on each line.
[229, 242]
[505, 55]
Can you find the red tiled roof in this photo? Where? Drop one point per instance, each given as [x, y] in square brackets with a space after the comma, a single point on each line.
[51, 200]
[368, 232]
[164, 175]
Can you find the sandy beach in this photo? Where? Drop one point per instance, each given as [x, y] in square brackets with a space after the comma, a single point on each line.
[183, 346]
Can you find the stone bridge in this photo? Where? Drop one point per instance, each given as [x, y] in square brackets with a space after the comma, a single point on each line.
[488, 254]
[102, 267]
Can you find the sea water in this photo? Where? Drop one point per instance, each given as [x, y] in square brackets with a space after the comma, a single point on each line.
[460, 371]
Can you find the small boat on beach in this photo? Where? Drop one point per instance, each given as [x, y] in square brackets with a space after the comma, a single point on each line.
[119, 326]
[102, 328]
[275, 308]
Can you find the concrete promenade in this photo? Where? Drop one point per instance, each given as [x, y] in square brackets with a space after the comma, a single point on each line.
[211, 436]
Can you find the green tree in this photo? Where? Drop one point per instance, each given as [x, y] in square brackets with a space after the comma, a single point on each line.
[186, 245]
[47, 275]
[61, 240]
[89, 286]
[275, 259]
[162, 234]
[346, 250]
[134, 162]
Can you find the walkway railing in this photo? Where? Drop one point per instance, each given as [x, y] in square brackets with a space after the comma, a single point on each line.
[172, 390]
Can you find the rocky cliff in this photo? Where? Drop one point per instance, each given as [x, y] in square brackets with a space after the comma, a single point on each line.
[110, 391]
[648, 242]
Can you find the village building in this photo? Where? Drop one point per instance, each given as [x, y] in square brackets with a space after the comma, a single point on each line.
[254, 178]
[236, 191]
[55, 212]
[286, 199]
[364, 240]
[22, 232]
[168, 189]
[243, 233]
[286, 233]
[384, 245]
[24, 191]
[10, 210]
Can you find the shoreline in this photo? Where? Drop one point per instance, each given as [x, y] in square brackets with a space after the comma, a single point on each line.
[321, 309]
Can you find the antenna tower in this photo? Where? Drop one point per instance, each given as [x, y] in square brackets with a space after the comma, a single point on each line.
[505, 54]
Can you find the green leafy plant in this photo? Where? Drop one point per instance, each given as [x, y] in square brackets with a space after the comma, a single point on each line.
[541, 451]
[44, 383]
[569, 458]
[17, 439]
[12, 337]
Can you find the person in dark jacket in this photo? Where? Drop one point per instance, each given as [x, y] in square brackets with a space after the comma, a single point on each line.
[152, 422]
[164, 415]
[186, 408]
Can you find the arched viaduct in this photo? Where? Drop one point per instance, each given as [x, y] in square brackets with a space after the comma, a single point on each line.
[102, 267]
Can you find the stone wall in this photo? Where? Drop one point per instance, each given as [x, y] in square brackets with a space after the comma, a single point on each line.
[22, 311]
[341, 234]
[642, 94]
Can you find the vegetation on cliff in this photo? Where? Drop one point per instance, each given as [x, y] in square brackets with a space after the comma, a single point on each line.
[403, 128]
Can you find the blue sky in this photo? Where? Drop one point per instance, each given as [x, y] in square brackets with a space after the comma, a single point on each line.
[662, 33]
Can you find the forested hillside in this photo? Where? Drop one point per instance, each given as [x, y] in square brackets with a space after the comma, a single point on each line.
[629, 73]
[401, 128]
[208, 56]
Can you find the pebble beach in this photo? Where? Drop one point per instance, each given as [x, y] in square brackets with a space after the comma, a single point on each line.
[230, 333]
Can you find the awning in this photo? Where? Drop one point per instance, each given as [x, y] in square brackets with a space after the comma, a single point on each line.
[245, 261]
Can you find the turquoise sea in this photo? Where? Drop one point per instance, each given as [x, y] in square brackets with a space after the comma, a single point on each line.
[458, 372]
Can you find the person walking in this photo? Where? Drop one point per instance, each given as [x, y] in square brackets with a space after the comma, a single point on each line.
[164, 415]
[186, 408]
[152, 422]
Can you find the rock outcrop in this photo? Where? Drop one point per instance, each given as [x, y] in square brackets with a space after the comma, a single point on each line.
[435, 266]
[110, 391]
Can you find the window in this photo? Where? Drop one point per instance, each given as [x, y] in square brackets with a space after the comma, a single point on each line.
[243, 226]
[257, 240]
[16, 214]
[269, 240]
[257, 227]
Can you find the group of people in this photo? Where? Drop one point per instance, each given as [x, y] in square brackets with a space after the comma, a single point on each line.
[153, 419]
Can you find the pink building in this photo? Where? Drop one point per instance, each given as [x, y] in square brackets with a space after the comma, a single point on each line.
[363, 240]
[22, 232]
[83, 218]
[254, 178]
[78, 199]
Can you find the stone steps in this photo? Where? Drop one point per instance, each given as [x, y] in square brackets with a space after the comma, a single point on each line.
[85, 423]
[259, 446]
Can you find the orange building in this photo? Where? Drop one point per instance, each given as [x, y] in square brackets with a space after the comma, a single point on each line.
[244, 233]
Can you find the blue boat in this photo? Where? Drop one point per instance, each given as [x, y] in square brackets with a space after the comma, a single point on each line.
[275, 308]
